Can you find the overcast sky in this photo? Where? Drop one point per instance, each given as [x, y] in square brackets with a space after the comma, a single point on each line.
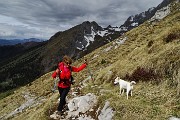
[43, 18]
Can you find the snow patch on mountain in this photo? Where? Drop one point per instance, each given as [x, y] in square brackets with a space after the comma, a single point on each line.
[151, 9]
[102, 33]
[131, 18]
[89, 38]
[160, 14]
[123, 28]
[135, 24]
[143, 14]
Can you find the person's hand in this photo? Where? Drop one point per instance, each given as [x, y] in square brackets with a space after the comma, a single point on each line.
[86, 62]
[57, 71]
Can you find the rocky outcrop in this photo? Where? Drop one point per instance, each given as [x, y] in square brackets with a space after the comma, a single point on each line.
[135, 20]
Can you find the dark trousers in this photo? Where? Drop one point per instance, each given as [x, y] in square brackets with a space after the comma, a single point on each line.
[63, 93]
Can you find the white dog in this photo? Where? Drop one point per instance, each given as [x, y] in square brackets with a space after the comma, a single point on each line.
[125, 85]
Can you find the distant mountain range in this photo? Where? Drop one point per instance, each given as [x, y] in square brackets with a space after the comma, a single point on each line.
[136, 20]
[17, 41]
[22, 63]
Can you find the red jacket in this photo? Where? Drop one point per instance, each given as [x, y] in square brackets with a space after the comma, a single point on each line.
[65, 77]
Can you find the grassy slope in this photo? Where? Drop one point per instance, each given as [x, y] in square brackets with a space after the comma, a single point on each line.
[149, 101]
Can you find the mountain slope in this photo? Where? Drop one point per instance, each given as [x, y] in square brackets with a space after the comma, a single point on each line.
[18, 41]
[75, 42]
[18, 62]
[8, 51]
[148, 54]
[136, 20]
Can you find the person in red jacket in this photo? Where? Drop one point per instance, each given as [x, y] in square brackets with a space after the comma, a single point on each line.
[64, 73]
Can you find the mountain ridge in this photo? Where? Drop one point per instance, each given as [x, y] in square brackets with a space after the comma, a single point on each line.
[136, 20]
[18, 41]
[75, 42]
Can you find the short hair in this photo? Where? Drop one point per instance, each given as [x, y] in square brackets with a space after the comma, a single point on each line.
[67, 59]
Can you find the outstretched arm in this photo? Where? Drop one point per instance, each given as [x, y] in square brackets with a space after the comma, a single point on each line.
[55, 73]
[77, 69]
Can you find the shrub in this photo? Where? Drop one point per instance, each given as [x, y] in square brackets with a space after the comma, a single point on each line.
[7, 93]
[143, 74]
[103, 61]
[171, 37]
[150, 43]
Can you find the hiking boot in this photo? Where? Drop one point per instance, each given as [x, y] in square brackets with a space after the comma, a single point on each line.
[60, 113]
[57, 115]
[65, 108]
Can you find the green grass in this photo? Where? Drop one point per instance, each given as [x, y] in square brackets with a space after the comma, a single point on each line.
[149, 101]
[5, 94]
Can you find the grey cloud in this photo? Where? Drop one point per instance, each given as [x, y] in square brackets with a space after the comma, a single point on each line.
[10, 31]
[56, 15]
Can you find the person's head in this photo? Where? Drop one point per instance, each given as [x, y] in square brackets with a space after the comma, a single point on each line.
[67, 60]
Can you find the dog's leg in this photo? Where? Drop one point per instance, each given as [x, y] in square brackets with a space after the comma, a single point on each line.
[127, 93]
[131, 92]
[120, 90]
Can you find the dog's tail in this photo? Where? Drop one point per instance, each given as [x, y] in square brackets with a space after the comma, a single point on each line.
[133, 82]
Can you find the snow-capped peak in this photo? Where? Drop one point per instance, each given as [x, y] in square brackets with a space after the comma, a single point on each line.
[90, 38]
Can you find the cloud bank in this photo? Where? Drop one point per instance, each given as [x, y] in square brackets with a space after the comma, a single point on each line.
[43, 18]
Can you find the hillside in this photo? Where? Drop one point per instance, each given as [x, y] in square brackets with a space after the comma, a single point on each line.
[9, 51]
[148, 54]
[136, 20]
[22, 63]
[18, 41]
